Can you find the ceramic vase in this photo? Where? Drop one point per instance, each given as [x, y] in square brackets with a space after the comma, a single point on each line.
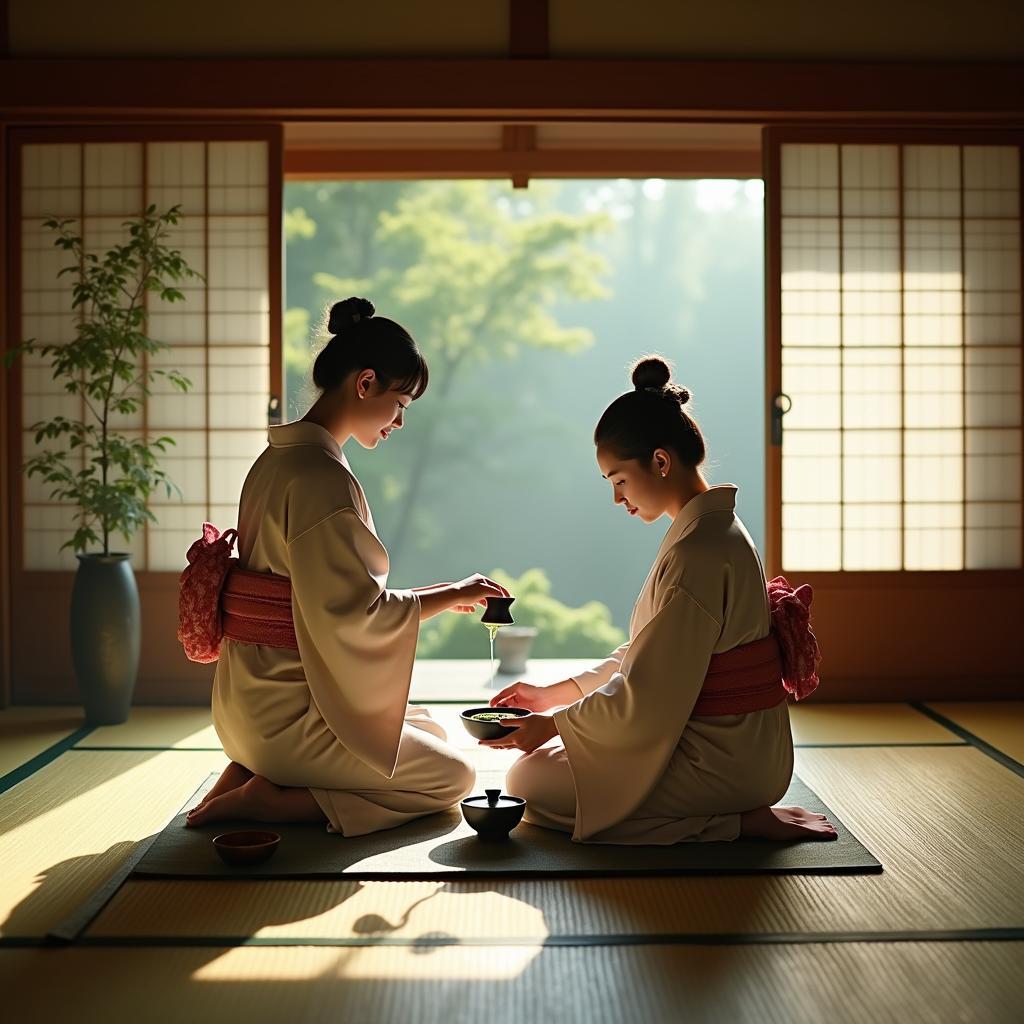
[105, 636]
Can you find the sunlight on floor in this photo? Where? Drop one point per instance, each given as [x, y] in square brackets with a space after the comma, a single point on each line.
[415, 963]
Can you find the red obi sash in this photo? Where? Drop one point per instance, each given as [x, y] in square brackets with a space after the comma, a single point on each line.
[745, 679]
[256, 608]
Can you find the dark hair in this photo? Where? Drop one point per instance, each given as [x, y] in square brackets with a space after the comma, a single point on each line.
[651, 416]
[362, 341]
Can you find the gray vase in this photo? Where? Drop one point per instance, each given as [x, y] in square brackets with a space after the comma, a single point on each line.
[105, 636]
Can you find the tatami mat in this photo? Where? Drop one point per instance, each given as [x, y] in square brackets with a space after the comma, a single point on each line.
[183, 728]
[880, 724]
[66, 828]
[26, 732]
[944, 870]
[845, 983]
[944, 820]
[998, 722]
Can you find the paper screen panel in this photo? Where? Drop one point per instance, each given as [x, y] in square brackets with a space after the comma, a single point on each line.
[237, 293]
[113, 179]
[811, 378]
[220, 333]
[232, 452]
[183, 323]
[901, 352]
[51, 181]
[227, 319]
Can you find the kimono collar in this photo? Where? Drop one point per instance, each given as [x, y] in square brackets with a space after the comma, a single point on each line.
[720, 498]
[304, 432]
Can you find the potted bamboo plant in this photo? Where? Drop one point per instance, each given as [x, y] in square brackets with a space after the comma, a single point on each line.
[107, 474]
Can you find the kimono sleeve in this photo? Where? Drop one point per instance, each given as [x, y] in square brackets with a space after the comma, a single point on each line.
[357, 639]
[594, 678]
[619, 739]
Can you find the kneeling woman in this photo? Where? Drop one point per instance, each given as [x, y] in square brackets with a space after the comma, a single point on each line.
[317, 725]
[654, 748]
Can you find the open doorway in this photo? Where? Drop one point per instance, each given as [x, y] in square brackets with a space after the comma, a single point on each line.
[529, 305]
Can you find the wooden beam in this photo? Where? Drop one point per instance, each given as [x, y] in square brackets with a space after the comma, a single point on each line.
[521, 90]
[519, 141]
[528, 29]
[6, 420]
[528, 38]
[523, 163]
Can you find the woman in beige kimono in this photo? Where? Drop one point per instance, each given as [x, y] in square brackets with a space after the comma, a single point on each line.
[635, 764]
[325, 732]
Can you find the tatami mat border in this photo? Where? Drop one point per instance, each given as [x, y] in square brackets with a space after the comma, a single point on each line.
[969, 737]
[558, 941]
[41, 760]
[216, 750]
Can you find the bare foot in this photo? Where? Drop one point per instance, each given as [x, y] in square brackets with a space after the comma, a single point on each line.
[232, 777]
[782, 823]
[258, 800]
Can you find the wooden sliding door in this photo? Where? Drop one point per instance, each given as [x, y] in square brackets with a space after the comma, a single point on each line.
[225, 337]
[894, 390]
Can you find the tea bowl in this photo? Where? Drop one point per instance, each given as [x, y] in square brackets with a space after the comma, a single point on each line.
[248, 847]
[492, 730]
[493, 815]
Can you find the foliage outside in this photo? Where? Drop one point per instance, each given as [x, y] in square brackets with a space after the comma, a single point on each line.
[474, 279]
[474, 282]
[562, 632]
[496, 464]
[102, 365]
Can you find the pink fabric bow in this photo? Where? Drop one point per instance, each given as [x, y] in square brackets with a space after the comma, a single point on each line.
[791, 622]
[199, 587]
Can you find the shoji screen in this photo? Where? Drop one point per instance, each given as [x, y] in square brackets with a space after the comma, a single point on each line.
[898, 326]
[220, 337]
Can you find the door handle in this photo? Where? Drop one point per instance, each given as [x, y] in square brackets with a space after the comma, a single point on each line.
[781, 404]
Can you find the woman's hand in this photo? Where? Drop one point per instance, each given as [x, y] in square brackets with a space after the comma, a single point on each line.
[537, 698]
[529, 733]
[473, 591]
[463, 596]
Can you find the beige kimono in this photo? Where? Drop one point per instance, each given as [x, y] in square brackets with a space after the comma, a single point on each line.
[633, 766]
[332, 716]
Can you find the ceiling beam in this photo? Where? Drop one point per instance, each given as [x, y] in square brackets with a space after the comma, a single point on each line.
[520, 90]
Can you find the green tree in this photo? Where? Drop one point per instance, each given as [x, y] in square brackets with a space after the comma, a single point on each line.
[473, 275]
[329, 225]
[562, 632]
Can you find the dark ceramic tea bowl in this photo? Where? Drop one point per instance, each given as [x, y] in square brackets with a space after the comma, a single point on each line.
[498, 612]
[492, 729]
[493, 815]
[250, 847]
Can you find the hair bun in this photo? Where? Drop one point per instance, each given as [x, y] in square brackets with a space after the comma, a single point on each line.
[678, 392]
[650, 372]
[348, 312]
